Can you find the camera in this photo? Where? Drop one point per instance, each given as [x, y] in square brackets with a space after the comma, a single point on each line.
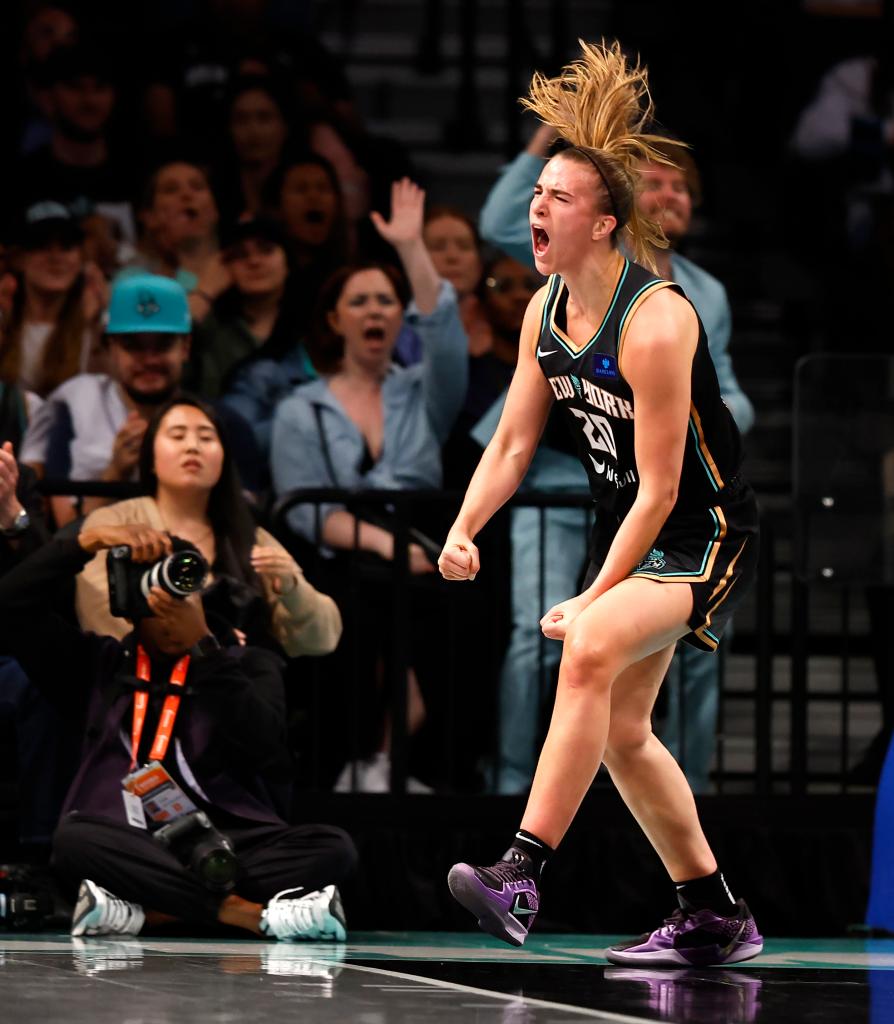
[179, 574]
[197, 844]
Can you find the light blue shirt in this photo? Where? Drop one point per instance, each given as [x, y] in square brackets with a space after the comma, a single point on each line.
[420, 404]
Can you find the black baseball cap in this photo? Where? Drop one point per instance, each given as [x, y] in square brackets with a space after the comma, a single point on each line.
[264, 229]
[46, 222]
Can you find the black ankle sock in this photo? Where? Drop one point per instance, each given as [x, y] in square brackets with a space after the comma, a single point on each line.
[536, 850]
[708, 893]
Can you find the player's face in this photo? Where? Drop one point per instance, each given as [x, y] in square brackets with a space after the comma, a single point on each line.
[453, 251]
[664, 196]
[563, 214]
[258, 266]
[367, 316]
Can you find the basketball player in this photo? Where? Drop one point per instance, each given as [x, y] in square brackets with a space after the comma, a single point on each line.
[675, 543]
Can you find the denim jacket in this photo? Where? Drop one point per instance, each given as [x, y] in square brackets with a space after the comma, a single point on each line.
[420, 405]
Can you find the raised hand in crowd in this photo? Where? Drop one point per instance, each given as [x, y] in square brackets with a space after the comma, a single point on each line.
[213, 281]
[126, 450]
[96, 292]
[10, 507]
[404, 231]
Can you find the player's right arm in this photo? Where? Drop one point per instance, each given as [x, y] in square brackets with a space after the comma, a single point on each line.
[506, 459]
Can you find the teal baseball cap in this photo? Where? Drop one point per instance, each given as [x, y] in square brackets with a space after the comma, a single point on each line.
[148, 303]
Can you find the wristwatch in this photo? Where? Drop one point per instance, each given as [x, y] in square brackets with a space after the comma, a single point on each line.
[21, 523]
[202, 648]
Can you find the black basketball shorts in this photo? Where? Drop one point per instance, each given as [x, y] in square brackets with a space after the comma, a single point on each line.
[713, 550]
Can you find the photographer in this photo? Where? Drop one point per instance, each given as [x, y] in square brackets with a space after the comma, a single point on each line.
[226, 749]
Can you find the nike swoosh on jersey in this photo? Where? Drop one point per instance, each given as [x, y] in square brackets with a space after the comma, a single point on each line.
[598, 466]
[551, 352]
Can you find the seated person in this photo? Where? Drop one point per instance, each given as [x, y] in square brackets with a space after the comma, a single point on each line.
[368, 423]
[92, 426]
[191, 490]
[51, 330]
[253, 318]
[228, 748]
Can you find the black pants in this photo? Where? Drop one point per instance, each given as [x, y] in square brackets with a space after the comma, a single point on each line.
[134, 866]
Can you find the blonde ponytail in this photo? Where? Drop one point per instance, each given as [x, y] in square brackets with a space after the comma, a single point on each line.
[600, 104]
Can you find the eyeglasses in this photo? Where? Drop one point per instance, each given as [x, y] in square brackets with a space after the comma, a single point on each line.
[504, 285]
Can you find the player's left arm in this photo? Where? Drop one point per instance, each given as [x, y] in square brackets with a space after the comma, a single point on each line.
[656, 360]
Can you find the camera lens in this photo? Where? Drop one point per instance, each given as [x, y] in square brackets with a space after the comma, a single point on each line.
[179, 575]
[217, 868]
[184, 572]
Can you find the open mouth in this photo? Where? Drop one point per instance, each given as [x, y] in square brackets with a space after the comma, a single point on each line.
[540, 240]
[314, 217]
[374, 334]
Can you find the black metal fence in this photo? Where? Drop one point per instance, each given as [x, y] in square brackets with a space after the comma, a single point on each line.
[783, 672]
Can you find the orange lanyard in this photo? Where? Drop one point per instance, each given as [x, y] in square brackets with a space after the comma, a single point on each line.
[168, 711]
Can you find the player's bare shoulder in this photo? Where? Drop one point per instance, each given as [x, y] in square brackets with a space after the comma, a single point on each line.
[663, 319]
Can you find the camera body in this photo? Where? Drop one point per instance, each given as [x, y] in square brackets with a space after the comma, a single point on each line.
[179, 574]
[198, 845]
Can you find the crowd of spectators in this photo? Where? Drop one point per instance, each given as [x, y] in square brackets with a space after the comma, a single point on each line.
[254, 299]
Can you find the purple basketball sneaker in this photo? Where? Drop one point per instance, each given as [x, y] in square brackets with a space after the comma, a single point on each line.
[503, 897]
[693, 938]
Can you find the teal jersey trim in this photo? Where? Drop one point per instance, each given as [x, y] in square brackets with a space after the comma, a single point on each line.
[605, 319]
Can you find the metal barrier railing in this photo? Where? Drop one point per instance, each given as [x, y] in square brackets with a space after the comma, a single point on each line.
[468, 659]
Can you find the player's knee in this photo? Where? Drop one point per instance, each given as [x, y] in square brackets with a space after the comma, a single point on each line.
[627, 737]
[587, 661]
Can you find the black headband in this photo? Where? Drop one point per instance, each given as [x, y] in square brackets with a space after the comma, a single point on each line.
[601, 173]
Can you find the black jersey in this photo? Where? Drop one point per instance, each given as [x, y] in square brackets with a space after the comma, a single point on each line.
[598, 403]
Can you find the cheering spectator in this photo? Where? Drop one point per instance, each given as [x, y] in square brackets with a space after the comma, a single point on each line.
[256, 315]
[452, 240]
[179, 218]
[368, 423]
[54, 323]
[91, 427]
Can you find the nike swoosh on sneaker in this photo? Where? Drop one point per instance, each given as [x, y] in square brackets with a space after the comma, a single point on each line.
[551, 352]
[521, 911]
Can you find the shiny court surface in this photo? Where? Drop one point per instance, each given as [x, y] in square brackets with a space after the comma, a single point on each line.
[414, 978]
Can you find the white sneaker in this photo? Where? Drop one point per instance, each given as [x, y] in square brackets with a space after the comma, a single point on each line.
[315, 917]
[373, 776]
[98, 912]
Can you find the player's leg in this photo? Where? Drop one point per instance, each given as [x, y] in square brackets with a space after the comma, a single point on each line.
[710, 927]
[634, 620]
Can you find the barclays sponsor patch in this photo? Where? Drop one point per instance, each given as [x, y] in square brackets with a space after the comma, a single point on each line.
[605, 366]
